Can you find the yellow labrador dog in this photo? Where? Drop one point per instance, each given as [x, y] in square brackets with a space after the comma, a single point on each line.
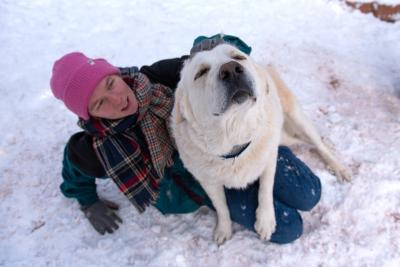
[230, 116]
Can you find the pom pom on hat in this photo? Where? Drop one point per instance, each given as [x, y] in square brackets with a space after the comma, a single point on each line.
[74, 78]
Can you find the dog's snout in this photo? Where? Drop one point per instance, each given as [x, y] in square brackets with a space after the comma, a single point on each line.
[230, 71]
[235, 83]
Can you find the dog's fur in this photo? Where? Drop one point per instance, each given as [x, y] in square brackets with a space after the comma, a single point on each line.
[224, 100]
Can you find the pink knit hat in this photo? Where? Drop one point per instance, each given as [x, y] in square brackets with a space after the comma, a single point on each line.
[74, 79]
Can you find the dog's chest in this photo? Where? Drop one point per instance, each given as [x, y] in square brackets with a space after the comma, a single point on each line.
[245, 169]
[236, 172]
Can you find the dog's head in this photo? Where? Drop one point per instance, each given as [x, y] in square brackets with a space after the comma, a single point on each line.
[219, 81]
[221, 99]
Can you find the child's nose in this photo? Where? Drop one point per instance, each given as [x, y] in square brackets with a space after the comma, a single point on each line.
[116, 100]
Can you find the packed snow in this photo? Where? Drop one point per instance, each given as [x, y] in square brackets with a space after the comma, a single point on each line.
[344, 66]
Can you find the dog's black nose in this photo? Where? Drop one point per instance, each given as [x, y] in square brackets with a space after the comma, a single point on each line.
[230, 71]
[238, 86]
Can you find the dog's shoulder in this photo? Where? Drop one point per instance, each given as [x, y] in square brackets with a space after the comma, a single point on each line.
[286, 97]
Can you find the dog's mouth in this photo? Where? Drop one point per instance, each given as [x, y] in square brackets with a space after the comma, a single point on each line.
[240, 97]
[238, 94]
[236, 87]
[241, 94]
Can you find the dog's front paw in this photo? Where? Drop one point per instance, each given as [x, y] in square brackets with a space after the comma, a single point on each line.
[265, 223]
[223, 232]
[341, 172]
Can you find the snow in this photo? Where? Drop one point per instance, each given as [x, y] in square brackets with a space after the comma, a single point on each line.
[344, 67]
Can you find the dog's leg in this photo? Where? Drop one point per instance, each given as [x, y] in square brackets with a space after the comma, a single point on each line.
[223, 230]
[265, 214]
[297, 127]
[288, 138]
[303, 129]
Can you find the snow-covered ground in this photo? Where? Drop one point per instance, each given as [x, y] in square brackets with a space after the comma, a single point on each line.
[344, 67]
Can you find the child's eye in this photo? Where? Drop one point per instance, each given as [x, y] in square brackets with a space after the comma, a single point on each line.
[110, 85]
[100, 104]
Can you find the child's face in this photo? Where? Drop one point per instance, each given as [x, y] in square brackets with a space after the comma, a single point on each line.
[112, 99]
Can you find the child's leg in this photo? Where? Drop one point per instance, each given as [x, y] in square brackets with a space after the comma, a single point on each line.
[295, 184]
[242, 206]
[295, 187]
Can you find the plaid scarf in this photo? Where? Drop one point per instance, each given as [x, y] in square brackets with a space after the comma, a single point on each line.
[136, 170]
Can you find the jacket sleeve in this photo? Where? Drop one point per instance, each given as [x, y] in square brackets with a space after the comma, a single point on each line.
[80, 169]
[83, 156]
[166, 72]
[77, 184]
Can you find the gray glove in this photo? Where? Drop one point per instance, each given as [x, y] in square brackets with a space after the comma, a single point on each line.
[102, 216]
[206, 44]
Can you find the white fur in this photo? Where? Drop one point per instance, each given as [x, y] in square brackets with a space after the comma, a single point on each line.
[201, 137]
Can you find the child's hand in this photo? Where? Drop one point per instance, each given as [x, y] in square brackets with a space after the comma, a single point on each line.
[102, 216]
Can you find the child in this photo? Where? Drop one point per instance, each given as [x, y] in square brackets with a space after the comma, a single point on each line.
[124, 115]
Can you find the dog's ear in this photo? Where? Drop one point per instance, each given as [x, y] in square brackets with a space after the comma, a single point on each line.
[288, 100]
[179, 106]
[264, 72]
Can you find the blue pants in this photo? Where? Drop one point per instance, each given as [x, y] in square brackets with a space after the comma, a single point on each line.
[295, 188]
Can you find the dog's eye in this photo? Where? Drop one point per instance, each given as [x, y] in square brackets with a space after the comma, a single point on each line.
[201, 72]
[238, 57]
